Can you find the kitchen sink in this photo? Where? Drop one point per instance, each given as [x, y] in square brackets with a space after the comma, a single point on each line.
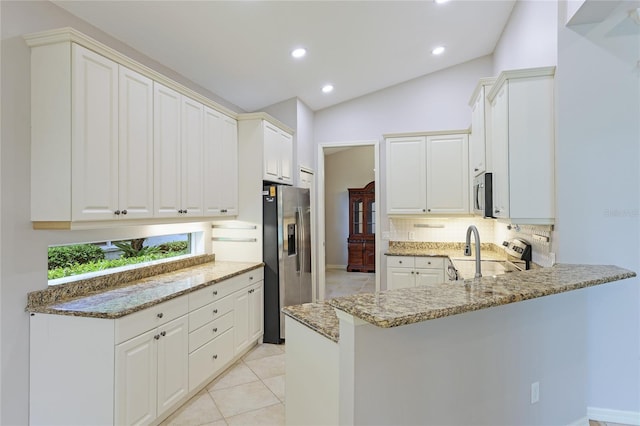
[467, 267]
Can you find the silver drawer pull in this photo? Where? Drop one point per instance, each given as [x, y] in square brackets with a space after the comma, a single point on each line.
[215, 357]
[215, 330]
[215, 292]
[215, 311]
[164, 333]
[160, 315]
[157, 337]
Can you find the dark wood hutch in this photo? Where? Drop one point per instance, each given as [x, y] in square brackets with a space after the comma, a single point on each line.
[362, 229]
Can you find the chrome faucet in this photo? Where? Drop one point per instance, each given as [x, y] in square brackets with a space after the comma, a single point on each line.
[467, 247]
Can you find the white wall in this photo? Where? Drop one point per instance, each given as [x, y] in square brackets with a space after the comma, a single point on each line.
[530, 38]
[598, 191]
[24, 251]
[351, 168]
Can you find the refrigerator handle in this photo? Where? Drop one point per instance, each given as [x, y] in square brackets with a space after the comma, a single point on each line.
[299, 229]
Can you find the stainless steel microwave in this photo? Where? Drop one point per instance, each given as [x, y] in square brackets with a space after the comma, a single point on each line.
[483, 195]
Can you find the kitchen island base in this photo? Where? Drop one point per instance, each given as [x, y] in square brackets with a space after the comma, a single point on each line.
[472, 368]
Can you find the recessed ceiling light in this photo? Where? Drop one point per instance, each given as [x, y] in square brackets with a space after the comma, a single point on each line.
[299, 52]
[440, 1]
[438, 50]
[327, 88]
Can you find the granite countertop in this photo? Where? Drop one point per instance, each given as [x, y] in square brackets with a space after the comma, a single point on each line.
[320, 317]
[127, 297]
[405, 306]
[454, 251]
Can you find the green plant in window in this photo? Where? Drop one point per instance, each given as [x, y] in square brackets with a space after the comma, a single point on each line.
[66, 256]
[174, 246]
[135, 248]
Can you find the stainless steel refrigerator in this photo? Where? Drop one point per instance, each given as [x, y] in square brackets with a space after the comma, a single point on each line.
[286, 254]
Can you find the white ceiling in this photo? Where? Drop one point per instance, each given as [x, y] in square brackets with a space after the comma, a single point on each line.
[240, 50]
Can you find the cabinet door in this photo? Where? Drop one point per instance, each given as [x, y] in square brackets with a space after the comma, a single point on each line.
[272, 149]
[135, 147]
[286, 157]
[477, 146]
[448, 174]
[136, 380]
[167, 179]
[400, 278]
[173, 369]
[429, 276]
[256, 307]
[406, 176]
[220, 164]
[500, 150]
[191, 164]
[241, 320]
[94, 158]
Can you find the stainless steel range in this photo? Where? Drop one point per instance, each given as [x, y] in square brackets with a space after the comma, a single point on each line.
[518, 255]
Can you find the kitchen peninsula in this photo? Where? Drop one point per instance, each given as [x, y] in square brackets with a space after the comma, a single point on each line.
[447, 353]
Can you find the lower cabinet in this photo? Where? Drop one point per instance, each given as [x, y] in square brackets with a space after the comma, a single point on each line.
[138, 368]
[151, 373]
[409, 271]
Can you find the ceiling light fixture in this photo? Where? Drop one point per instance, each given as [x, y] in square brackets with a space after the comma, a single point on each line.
[299, 52]
[438, 50]
[327, 88]
[440, 1]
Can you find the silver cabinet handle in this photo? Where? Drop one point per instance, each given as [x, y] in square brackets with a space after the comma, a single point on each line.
[163, 333]
[215, 292]
[215, 311]
[157, 337]
[160, 315]
[215, 356]
[215, 330]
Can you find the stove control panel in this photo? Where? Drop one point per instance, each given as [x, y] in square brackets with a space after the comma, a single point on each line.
[518, 248]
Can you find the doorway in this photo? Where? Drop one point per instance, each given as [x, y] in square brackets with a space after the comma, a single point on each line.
[326, 220]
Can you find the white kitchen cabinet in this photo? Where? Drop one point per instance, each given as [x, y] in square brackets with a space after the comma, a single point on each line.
[151, 373]
[220, 164]
[248, 311]
[409, 271]
[138, 368]
[480, 136]
[448, 174]
[178, 141]
[522, 123]
[269, 144]
[428, 173]
[406, 175]
[113, 140]
[135, 147]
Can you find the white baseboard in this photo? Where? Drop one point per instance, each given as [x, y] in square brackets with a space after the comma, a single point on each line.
[343, 267]
[580, 422]
[614, 416]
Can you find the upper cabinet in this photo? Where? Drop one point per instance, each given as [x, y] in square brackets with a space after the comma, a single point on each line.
[480, 138]
[522, 135]
[269, 145]
[428, 173]
[113, 140]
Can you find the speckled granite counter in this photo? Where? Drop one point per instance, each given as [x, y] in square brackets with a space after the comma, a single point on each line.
[451, 250]
[411, 305]
[320, 317]
[128, 297]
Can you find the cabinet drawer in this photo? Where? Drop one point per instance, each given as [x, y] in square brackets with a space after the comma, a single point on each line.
[137, 323]
[250, 277]
[219, 290]
[210, 331]
[400, 262]
[210, 358]
[429, 262]
[210, 312]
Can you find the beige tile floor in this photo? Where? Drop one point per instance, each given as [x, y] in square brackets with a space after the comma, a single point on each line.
[251, 392]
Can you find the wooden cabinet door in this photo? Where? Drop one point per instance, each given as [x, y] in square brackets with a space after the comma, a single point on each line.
[191, 158]
[166, 136]
[448, 174]
[173, 369]
[135, 148]
[241, 308]
[356, 254]
[136, 372]
[256, 309]
[500, 150]
[406, 175]
[400, 278]
[94, 134]
[429, 276]
[272, 149]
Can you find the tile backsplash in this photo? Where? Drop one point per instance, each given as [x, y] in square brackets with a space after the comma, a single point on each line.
[455, 229]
